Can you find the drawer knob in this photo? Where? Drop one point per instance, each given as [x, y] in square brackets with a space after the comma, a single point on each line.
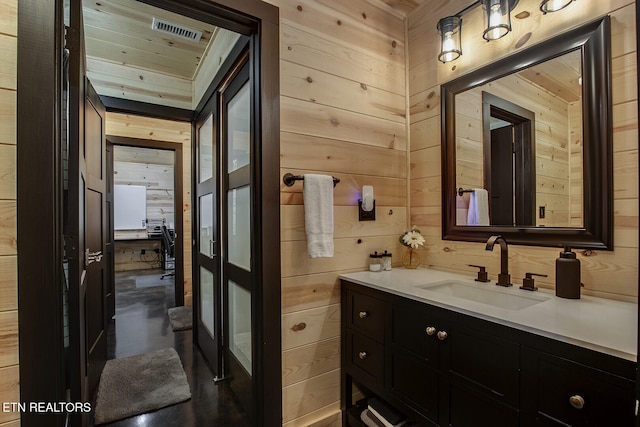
[577, 401]
[363, 314]
[362, 355]
[442, 335]
[430, 330]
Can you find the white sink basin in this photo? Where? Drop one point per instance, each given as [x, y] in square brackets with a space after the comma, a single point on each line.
[482, 294]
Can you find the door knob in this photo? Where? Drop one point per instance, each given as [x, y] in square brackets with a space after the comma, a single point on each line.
[362, 355]
[430, 330]
[442, 335]
[91, 257]
[577, 401]
[212, 244]
[363, 314]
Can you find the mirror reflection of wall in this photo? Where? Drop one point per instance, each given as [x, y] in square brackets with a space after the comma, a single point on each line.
[552, 92]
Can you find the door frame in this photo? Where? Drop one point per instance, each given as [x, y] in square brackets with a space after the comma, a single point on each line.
[178, 200]
[39, 83]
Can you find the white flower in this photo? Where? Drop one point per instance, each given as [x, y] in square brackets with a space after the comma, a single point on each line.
[413, 239]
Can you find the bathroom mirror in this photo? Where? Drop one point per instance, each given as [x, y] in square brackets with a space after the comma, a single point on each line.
[534, 131]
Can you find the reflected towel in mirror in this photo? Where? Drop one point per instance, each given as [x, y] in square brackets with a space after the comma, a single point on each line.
[478, 207]
[462, 210]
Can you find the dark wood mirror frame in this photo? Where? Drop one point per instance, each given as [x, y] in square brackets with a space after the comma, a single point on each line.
[593, 39]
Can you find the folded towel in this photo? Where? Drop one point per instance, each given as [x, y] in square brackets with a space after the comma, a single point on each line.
[478, 207]
[375, 415]
[318, 214]
[462, 210]
[388, 415]
[370, 420]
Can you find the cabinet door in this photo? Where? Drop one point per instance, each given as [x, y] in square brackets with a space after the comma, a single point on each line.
[482, 358]
[415, 383]
[558, 392]
[414, 328]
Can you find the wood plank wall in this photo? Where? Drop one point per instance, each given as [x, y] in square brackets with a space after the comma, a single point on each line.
[9, 371]
[607, 274]
[164, 130]
[343, 113]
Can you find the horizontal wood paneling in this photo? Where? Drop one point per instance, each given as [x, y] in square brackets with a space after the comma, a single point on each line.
[8, 118]
[7, 172]
[8, 224]
[310, 360]
[606, 274]
[9, 17]
[138, 84]
[9, 391]
[8, 338]
[311, 395]
[8, 283]
[342, 113]
[8, 60]
[217, 51]
[128, 255]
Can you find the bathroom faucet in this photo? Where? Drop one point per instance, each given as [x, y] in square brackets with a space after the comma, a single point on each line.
[504, 278]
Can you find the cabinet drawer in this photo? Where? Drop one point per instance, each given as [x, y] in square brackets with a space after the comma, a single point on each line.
[367, 355]
[366, 314]
[557, 391]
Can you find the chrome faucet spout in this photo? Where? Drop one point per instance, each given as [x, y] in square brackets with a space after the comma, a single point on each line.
[504, 278]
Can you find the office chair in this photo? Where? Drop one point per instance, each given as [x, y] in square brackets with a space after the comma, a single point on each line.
[169, 243]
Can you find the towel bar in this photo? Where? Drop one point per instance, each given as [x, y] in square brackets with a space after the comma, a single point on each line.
[289, 179]
[461, 191]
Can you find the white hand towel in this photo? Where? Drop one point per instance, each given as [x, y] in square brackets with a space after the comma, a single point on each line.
[318, 215]
[462, 210]
[478, 207]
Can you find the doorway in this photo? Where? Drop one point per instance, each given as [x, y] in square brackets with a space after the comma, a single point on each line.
[40, 48]
[148, 218]
[509, 148]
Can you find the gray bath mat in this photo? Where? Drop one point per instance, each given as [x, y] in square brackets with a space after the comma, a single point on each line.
[181, 318]
[139, 384]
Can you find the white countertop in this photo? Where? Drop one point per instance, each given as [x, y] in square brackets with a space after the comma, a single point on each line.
[600, 324]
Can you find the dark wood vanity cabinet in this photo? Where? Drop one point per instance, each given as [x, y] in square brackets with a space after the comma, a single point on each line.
[445, 368]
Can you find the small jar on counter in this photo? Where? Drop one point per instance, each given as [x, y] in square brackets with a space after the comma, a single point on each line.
[385, 261]
[374, 262]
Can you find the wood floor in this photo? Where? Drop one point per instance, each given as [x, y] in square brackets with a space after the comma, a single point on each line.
[141, 325]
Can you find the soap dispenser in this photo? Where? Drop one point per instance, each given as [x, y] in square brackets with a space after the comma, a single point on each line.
[568, 275]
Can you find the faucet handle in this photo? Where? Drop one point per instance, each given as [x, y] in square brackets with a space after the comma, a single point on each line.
[482, 273]
[528, 283]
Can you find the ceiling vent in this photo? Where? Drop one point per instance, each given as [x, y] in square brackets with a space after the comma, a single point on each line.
[176, 30]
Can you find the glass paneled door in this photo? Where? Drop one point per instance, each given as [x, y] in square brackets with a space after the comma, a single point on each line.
[237, 265]
[223, 265]
[207, 302]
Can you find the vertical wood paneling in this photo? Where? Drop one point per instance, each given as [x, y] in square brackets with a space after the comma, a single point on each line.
[343, 113]
[607, 274]
[164, 130]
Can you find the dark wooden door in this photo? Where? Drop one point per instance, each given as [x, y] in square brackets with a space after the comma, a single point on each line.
[86, 238]
[96, 236]
[501, 197]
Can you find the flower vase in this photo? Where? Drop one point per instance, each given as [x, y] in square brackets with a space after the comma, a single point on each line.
[411, 259]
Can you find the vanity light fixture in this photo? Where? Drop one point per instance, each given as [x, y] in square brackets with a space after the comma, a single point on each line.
[498, 16]
[547, 6]
[449, 28]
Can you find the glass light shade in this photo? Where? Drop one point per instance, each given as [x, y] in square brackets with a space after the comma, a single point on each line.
[450, 46]
[498, 15]
[553, 5]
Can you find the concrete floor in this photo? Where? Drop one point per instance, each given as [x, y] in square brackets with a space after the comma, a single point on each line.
[141, 325]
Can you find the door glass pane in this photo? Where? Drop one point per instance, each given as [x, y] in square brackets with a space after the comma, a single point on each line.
[238, 125]
[239, 236]
[205, 149]
[206, 224]
[240, 324]
[206, 300]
